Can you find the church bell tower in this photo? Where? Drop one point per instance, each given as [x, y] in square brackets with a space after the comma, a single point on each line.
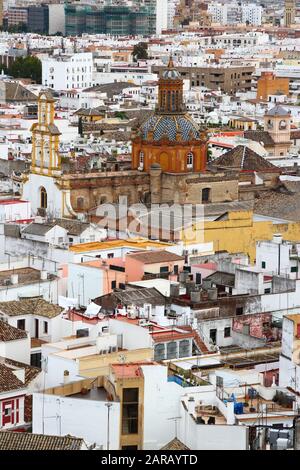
[45, 139]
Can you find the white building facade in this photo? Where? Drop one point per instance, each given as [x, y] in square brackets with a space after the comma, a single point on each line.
[67, 72]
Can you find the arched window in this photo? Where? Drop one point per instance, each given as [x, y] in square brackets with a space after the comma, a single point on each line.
[43, 195]
[80, 203]
[206, 195]
[282, 125]
[190, 160]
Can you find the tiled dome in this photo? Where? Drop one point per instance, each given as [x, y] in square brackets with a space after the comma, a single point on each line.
[168, 126]
[171, 74]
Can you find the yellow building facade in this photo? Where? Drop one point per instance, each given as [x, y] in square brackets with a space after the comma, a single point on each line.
[239, 233]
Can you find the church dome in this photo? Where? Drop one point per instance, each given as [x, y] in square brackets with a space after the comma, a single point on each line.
[171, 127]
[171, 74]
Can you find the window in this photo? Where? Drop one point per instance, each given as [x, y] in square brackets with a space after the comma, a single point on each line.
[263, 265]
[110, 255]
[43, 197]
[130, 411]
[239, 310]
[227, 332]
[45, 327]
[294, 269]
[189, 160]
[113, 284]
[164, 269]
[267, 291]
[205, 195]
[21, 324]
[7, 410]
[60, 239]
[36, 360]
[176, 269]
[213, 335]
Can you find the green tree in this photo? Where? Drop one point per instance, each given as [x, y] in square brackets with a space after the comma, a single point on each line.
[140, 51]
[121, 115]
[27, 67]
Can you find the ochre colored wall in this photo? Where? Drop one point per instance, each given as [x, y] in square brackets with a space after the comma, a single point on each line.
[239, 233]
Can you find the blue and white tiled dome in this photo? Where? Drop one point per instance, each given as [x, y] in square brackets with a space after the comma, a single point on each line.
[171, 74]
[168, 127]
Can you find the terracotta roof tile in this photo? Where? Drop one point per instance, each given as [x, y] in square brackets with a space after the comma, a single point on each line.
[161, 256]
[244, 158]
[30, 307]
[30, 372]
[8, 380]
[26, 441]
[259, 136]
[10, 333]
[175, 444]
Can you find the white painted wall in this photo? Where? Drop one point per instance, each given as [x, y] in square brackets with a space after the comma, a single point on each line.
[216, 437]
[81, 418]
[219, 324]
[84, 283]
[134, 336]
[54, 367]
[19, 350]
[268, 252]
[162, 402]
[15, 211]
[31, 192]
[66, 73]
[47, 289]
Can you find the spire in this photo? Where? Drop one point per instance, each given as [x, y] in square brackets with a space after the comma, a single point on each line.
[171, 62]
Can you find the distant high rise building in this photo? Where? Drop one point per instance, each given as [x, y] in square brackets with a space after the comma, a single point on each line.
[38, 19]
[289, 12]
[117, 20]
[234, 13]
